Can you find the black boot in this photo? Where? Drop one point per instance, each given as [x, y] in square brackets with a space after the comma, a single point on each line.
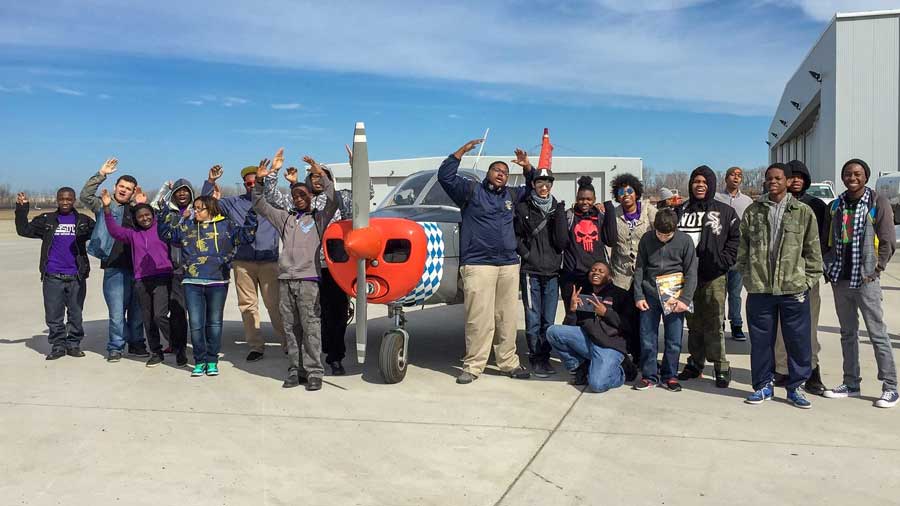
[814, 384]
[723, 378]
[631, 370]
[689, 372]
[580, 375]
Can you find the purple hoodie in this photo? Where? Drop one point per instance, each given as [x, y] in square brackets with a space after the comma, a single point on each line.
[149, 254]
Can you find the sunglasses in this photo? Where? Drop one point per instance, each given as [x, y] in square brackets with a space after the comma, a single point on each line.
[624, 191]
[543, 184]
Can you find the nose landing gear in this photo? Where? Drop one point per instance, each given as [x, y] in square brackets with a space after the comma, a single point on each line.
[393, 354]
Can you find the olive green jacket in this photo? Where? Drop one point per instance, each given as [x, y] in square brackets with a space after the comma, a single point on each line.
[798, 265]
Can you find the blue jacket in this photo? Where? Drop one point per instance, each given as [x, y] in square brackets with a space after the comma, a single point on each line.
[208, 246]
[265, 247]
[487, 235]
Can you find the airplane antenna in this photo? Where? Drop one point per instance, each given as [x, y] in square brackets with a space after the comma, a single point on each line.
[481, 148]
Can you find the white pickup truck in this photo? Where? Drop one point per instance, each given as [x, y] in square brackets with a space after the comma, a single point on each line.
[888, 186]
[823, 191]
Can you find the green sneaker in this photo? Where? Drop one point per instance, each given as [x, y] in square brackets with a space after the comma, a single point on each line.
[212, 369]
[199, 370]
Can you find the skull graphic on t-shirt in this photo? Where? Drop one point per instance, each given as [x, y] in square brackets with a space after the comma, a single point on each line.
[586, 234]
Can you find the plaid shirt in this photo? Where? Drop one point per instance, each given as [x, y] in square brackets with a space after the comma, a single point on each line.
[842, 239]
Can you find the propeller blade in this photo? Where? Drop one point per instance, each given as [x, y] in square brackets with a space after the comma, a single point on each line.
[359, 185]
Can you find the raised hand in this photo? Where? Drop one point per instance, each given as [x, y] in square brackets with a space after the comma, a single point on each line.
[576, 301]
[109, 166]
[21, 199]
[139, 196]
[465, 148]
[313, 165]
[263, 169]
[291, 175]
[349, 153]
[215, 173]
[522, 159]
[105, 197]
[277, 161]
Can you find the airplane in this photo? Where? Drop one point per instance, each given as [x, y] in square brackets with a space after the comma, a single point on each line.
[407, 253]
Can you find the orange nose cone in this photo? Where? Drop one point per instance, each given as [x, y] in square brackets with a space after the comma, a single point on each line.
[364, 243]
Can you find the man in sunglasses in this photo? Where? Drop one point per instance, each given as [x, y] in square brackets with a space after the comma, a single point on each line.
[489, 265]
[255, 265]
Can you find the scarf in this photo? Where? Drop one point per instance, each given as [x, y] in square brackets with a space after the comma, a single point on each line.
[850, 235]
[632, 218]
[544, 204]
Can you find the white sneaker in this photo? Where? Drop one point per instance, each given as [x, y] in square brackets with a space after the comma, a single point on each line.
[888, 399]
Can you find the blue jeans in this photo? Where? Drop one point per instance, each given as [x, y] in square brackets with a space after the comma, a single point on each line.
[574, 347]
[125, 323]
[764, 311]
[735, 284]
[205, 306]
[540, 295]
[673, 329]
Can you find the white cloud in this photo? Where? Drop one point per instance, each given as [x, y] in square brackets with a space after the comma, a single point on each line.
[194, 102]
[103, 96]
[664, 51]
[24, 88]
[287, 107]
[66, 91]
[453, 116]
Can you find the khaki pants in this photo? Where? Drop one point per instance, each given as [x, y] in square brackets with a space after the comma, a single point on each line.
[250, 279]
[815, 302]
[492, 309]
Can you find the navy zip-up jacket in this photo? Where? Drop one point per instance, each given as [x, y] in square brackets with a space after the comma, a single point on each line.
[265, 247]
[486, 235]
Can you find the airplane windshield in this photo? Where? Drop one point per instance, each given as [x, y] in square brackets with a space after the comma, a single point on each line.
[406, 193]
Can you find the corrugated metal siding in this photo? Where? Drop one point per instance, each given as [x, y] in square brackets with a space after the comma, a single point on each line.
[868, 56]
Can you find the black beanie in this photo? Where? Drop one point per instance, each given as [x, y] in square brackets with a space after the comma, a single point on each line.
[859, 162]
[782, 166]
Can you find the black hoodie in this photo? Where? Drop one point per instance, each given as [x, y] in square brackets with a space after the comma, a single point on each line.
[541, 250]
[713, 226]
[819, 207]
[172, 207]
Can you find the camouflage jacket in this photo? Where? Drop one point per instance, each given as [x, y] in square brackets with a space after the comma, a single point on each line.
[798, 265]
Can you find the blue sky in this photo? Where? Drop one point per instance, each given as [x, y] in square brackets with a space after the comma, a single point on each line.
[171, 88]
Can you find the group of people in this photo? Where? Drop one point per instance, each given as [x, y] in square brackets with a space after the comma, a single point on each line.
[621, 267]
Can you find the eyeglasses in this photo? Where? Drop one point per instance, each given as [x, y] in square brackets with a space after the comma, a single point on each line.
[199, 209]
[624, 191]
[543, 184]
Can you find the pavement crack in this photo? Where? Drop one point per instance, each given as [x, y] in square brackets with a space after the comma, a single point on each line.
[539, 475]
[538, 451]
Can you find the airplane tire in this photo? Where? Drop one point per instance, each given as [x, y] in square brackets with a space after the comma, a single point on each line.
[390, 357]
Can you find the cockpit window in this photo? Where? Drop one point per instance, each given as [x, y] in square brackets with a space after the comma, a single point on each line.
[406, 193]
[436, 196]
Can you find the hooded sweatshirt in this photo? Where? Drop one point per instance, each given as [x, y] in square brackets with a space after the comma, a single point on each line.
[208, 246]
[166, 200]
[713, 226]
[589, 235]
[149, 254]
[819, 207]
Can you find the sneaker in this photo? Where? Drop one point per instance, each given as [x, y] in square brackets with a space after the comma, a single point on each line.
[673, 385]
[762, 395]
[181, 359]
[212, 369]
[56, 353]
[723, 378]
[465, 378]
[797, 398]
[580, 374]
[138, 350]
[314, 383]
[155, 360]
[814, 384]
[841, 391]
[337, 369]
[199, 370]
[75, 351]
[888, 399]
[779, 380]
[519, 373]
[644, 384]
[293, 380]
[690, 372]
[737, 333]
[254, 356]
[542, 369]
[114, 356]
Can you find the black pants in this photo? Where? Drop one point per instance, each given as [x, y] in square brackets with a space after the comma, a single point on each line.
[175, 326]
[63, 302]
[153, 295]
[335, 307]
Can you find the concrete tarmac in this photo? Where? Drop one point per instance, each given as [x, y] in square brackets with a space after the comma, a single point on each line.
[84, 432]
